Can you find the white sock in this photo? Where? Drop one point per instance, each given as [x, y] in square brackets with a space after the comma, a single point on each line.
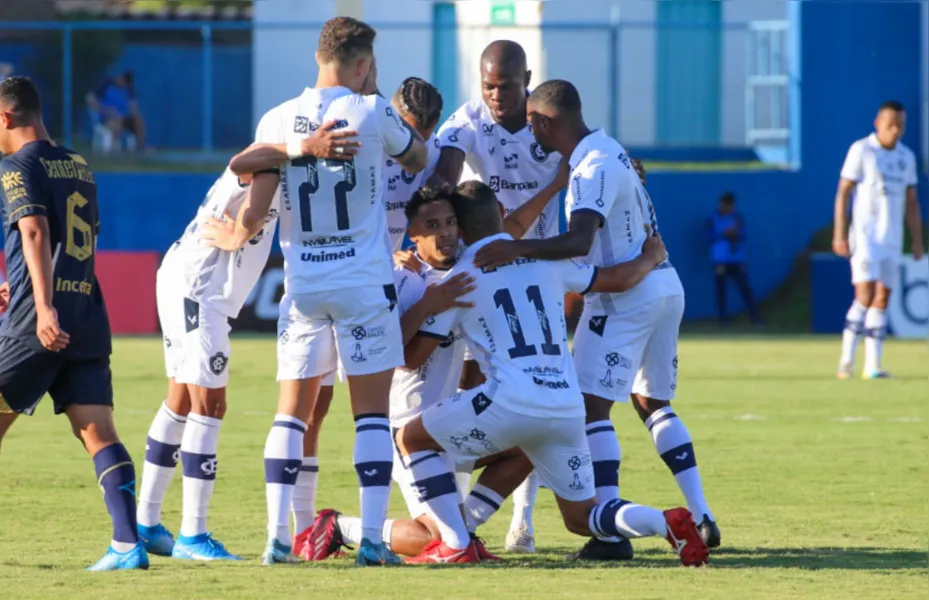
[483, 502]
[373, 463]
[198, 456]
[605, 458]
[875, 324]
[435, 485]
[523, 503]
[162, 451]
[283, 457]
[673, 443]
[619, 517]
[463, 480]
[351, 529]
[121, 547]
[304, 503]
[851, 335]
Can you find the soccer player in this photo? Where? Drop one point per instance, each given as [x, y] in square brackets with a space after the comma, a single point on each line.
[432, 371]
[531, 398]
[879, 177]
[4, 295]
[626, 344]
[56, 337]
[203, 282]
[339, 280]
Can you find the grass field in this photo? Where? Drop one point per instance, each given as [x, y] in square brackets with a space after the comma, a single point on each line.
[819, 486]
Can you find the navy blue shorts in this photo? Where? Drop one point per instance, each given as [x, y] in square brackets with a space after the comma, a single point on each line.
[26, 375]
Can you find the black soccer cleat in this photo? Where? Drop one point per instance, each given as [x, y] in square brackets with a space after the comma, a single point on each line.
[596, 549]
[709, 531]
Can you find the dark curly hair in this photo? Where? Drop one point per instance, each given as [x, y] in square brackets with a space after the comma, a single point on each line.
[421, 100]
[342, 39]
[422, 196]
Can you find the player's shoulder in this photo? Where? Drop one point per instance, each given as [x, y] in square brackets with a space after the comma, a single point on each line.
[861, 144]
[472, 111]
[408, 282]
[604, 154]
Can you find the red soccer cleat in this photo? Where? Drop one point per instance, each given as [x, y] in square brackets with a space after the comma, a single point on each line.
[322, 540]
[482, 552]
[436, 552]
[685, 539]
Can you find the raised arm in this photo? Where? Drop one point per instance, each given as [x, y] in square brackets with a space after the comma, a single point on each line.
[575, 242]
[234, 232]
[401, 141]
[325, 142]
[518, 222]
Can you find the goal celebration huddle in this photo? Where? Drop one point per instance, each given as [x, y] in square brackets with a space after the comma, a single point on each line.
[423, 265]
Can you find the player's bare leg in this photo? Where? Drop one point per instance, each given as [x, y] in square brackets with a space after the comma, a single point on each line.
[162, 453]
[855, 327]
[7, 416]
[199, 448]
[93, 425]
[304, 502]
[875, 330]
[675, 446]
[605, 457]
[283, 456]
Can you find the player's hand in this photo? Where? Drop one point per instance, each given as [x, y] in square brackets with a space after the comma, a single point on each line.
[496, 253]
[333, 144]
[4, 296]
[48, 331]
[445, 295]
[407, 259]
[219, 234]
[655, 249]
[840, 247]
[562, 176]
[639, 169]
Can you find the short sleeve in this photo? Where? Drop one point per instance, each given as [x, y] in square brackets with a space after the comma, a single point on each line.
[852, 168]
[911, 176]
[458, 130]
[410, 288]
[595, 184]
[269, 129]
[395, 136]
[21, 191]
[575, 276]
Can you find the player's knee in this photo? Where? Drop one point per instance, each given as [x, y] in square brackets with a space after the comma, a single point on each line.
[209, 402]
[864, 294]
[645, 406]
[881, 299]
[321, 408]
[597, 409]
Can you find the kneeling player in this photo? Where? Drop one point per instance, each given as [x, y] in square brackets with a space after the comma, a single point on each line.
[56, 337]
[531, 399]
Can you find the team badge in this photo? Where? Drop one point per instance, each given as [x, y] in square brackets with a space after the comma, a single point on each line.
[538, 154]
[218, 363]
[301, 125]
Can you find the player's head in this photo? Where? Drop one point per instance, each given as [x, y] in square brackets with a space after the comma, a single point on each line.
[433, 226]
[20, 106]
[890, 123]
[346, 46]
[504, 79]
[478, 211]
[419, 104]
[726, 203]
[554, 111]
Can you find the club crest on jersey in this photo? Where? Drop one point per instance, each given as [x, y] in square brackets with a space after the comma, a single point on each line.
[407, 177]
[537, 152]
[301, 125]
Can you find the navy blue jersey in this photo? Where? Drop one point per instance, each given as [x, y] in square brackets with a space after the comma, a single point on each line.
[43, 179]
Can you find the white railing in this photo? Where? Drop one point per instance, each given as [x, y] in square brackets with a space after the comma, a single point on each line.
[767, 84]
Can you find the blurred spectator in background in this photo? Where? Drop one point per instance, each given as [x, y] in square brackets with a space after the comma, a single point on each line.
[6, 69]
[726, 231]
[116, 115]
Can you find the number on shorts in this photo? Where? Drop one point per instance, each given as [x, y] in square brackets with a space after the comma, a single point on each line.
[503, 299]
[311, 186]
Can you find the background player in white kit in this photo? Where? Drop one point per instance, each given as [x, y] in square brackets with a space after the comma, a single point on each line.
[626, 344]
[879, 177]
[339, 280]
[530, 400]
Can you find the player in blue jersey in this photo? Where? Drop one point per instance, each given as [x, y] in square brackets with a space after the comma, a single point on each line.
[55, 338]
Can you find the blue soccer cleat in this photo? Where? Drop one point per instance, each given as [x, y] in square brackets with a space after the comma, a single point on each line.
[877, 375]
[375, 555]
[201, 547]
[136, 558]
[156, 539]
[276, 552]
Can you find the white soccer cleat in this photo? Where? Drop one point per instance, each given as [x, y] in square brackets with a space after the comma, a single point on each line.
[520, 541]
[845, 372]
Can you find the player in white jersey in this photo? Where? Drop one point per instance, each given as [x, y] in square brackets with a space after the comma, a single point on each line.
[879, 177]
[338, 279]
[530, 400]
[626, 344]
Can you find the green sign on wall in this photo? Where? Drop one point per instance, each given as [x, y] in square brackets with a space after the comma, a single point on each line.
[503, 12]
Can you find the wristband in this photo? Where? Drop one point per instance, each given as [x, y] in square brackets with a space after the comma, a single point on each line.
[294, 149]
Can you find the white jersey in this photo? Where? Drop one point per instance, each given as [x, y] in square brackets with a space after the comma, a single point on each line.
[414, 391]
[333, 224]
[879, 200]
[216, 278]
[516, 331]
[401, 184]
[512, 164]
[603, 181]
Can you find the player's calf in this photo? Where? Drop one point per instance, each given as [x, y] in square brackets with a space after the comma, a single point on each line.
[304, 501]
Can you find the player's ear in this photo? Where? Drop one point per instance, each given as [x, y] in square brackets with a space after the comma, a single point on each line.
[316, 56]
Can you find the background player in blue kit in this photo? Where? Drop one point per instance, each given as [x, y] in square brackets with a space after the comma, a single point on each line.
[56, 335]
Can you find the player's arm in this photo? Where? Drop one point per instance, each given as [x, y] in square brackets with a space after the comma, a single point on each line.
[437, 299]
[518, 222]
[852, 173]
[456, 138]
[233, 233]
[914, 222]
[324, 143]
[400, 140]
[627, 275]
[436, 325]
[37, 251]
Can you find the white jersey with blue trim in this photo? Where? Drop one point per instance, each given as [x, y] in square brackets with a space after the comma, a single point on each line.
[401, 184]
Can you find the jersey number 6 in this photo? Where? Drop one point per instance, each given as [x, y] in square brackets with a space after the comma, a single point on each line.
[79, 240]
[311, 186]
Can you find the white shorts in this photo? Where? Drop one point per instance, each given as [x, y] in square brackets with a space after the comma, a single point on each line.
[633, 351]
[469, 426]
[866, 268]
[196, 339]
[361, 324]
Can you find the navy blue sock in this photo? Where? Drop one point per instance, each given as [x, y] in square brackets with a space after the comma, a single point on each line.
[116, 477]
